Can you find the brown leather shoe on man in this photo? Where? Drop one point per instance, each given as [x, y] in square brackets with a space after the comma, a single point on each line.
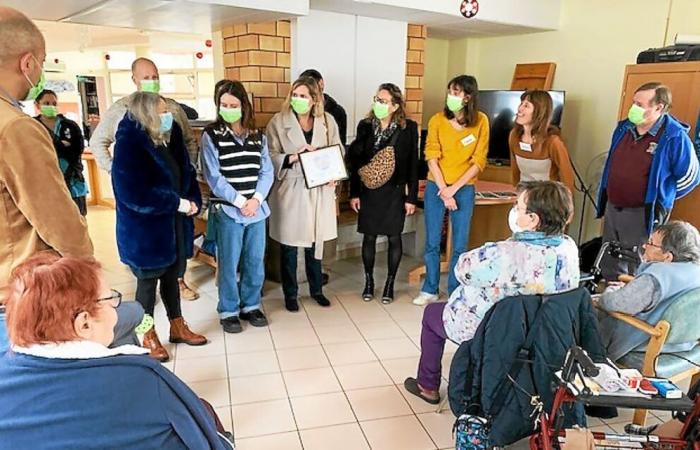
[152, 343]
[186, 292]
[180, 333]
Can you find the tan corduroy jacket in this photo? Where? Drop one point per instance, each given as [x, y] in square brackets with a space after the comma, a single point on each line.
[36, 210]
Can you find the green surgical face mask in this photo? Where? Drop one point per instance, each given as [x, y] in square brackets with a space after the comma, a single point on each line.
[49, 111]
[380, 110]
[152, 86]
[454, 103]
[636, 114]
[35, 89]
[231, 115]
[300, 105]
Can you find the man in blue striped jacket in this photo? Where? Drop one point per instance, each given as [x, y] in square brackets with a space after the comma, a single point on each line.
[651, 162]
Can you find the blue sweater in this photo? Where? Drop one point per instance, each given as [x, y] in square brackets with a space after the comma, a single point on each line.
[673, 174]
[125, 402]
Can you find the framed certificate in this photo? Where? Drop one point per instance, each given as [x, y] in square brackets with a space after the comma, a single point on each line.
[323, 165]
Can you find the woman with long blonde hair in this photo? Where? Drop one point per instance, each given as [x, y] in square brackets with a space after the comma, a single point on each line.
[301, 217]
[157, 194]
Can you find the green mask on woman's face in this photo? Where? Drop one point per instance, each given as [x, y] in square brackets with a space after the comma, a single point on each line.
[300, 105]
[636, 114]
[231, 115]
[380, 110]
[454, 103]
[49, 111]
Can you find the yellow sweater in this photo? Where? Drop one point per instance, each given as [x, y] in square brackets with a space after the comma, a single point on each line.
[457, 150]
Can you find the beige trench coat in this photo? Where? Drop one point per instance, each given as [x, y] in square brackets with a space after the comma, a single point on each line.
[299, 216]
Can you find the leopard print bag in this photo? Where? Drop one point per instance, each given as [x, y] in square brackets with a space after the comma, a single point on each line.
[379, 170]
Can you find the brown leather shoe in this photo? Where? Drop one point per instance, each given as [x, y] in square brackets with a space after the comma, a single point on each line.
[186, 292]
[180, 333]
[152, 343]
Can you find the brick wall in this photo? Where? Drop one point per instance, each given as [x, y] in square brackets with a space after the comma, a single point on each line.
[258, 55]
[415, 69]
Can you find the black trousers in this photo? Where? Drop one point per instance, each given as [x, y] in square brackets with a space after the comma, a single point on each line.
[288, 270]
[169, 292]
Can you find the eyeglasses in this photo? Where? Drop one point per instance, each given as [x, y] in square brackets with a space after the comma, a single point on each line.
[650, 243]
[115, 299]
[381, 100]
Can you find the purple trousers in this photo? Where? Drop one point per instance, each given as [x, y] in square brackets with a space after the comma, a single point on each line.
[432, 346]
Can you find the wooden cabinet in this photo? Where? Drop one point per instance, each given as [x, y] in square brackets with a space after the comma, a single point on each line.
[684, 80]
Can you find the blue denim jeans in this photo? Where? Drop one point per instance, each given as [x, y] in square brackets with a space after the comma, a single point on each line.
[236, 244]
[4, 343]
[460, 221]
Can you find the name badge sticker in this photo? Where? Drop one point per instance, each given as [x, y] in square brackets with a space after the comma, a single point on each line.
[524, 146]
[468, 140]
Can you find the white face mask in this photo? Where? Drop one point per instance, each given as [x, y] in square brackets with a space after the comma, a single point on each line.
[513, 221]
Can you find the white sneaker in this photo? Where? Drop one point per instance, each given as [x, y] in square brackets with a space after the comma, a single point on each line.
[424, 298]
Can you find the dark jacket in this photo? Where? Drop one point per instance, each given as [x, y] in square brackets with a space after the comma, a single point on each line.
[126, 402]
[147, 199]
[69, 144]
[674, 171]
[338, 112]
[480, 366]
[362, 150]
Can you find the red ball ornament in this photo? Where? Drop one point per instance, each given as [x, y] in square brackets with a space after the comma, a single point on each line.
[107, 57]
[199, 55]
[469, 8]
[208, 43]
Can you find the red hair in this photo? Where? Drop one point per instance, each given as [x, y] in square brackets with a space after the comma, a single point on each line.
[45, 293]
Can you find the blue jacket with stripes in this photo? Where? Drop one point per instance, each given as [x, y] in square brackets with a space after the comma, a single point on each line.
[674, 171]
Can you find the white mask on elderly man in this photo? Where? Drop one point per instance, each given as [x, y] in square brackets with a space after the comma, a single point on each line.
[513, 221]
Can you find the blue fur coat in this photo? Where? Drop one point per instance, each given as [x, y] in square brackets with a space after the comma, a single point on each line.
[147, 198]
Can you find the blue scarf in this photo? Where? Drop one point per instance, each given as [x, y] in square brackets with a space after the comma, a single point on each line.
[538, 238]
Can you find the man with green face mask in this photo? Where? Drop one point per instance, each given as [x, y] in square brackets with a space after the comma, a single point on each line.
[651, 162]
[144, 74]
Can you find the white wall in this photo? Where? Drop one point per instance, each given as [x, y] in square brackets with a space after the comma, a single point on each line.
[353, 53]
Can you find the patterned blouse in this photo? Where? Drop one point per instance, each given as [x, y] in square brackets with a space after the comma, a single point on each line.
[528, 263]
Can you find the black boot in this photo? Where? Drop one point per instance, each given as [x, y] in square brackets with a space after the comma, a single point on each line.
[388, 295]
[368, 292]
[291, 304]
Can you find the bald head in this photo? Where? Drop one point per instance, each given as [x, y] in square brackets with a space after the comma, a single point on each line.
[143, 69]
[18, 36]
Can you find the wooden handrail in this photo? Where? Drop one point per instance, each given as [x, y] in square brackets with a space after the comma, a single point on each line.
[636, 323]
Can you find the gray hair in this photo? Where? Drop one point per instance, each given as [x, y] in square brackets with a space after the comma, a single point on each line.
[143, 107]
[682, 240]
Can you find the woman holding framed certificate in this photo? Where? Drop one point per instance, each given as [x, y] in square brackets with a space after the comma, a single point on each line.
[302, 216]
[384, 181]
[455, 149]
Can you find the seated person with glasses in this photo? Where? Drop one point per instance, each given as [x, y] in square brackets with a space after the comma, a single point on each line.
[670, 266]
[62, 387]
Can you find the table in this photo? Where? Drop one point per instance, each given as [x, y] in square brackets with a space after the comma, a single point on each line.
[96, 198]
[489, 224]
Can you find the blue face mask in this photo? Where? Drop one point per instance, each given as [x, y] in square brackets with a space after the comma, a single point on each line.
[166, 122]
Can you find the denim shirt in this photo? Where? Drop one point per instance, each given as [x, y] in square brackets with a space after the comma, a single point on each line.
[223, 189]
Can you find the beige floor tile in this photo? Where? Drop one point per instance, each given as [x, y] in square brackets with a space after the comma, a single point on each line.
[256, 419]
[334, 320]
[439, 427]
[337, 334]
[349, 353]
[257, 388]
[254, 363]
[224, 413]
[421, 406]
[282, 441]
[380, 330]
[284, 319]
[363, 375]
[302, 358]
[251, 340]
[394, 348]
[336, 437]
[294, 337]
[378, 403]
[201, 369]
[400, 369]
[211, 348]
[311, 382]
[397, 433]
[214, 391]
[412, 328]
[322, 410]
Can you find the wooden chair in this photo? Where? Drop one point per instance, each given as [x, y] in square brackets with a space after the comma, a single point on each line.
[678, 324]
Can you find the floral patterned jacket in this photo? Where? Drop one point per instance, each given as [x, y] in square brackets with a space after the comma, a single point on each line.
[528, 263]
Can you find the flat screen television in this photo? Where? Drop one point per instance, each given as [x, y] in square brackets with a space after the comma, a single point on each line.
[501, 107]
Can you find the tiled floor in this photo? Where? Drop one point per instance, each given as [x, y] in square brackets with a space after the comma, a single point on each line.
[323, 378]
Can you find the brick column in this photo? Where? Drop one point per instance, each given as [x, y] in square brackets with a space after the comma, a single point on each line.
[415, 69]
[258, 55]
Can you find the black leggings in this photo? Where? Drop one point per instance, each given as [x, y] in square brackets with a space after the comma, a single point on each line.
[169, 292]
[369, 248]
